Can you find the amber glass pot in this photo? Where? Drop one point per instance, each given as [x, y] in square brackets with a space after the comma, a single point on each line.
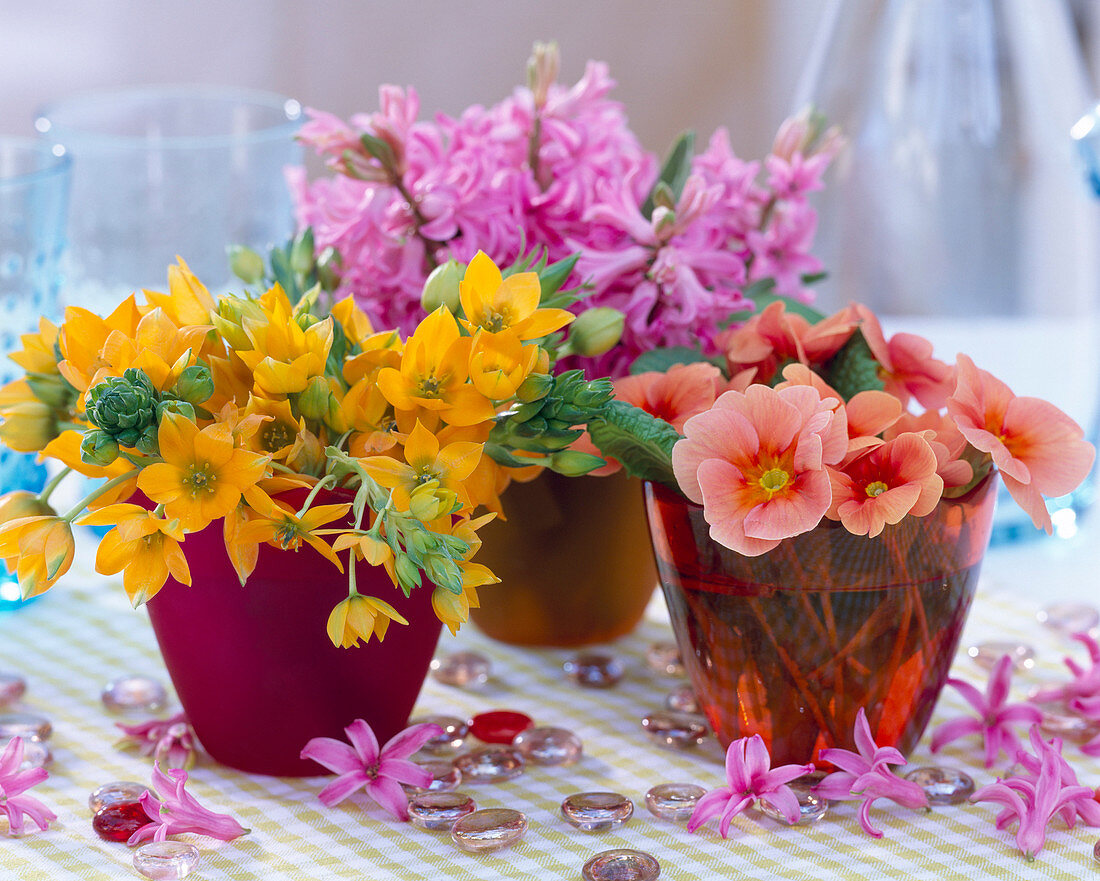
[574, 561]
[791, 644]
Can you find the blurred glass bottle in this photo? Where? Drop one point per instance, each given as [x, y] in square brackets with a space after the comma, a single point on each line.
[958, 209]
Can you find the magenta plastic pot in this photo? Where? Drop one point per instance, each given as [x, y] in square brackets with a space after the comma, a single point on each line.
[254, 668]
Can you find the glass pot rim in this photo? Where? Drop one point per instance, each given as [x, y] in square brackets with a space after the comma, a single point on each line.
[83, 118]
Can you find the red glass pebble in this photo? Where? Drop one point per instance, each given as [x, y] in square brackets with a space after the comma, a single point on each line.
[499, 726]
[118, 821]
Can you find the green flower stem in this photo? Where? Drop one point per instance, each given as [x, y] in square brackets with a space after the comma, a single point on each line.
[48, 489]
[321, 484]
[95, 494]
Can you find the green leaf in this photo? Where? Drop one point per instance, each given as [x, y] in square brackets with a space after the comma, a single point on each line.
[853, 369]
[553, 276]
[660, 360]
[797, 307]
[675, 171]
[641, 442]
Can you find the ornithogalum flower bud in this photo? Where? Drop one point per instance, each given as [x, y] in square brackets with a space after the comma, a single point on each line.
[596, 330]
[442, 287]
[246, 264]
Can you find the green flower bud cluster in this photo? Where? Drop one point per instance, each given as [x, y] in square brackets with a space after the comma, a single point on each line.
[546, 420]
[126, 411]
[417, 550]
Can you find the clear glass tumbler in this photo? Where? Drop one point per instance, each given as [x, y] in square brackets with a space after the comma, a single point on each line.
[166, 171]
[34, 192]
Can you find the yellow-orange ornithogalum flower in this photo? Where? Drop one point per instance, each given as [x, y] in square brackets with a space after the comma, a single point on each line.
[424, 462]
[361, 617]
[203, 475]
[284, 529]
[187, 302]
[284, 357]
[143, 547]
[39, 549]
[495, 303]
[433, 373]
[83, 335]
[500, 363]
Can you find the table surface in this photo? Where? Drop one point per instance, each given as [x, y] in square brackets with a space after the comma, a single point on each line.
[83, 634]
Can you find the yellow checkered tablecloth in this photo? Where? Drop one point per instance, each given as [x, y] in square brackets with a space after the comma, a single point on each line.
[83, 634]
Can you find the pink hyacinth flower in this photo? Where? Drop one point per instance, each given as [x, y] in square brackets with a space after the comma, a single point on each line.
[378, 772]
[995, 715]
[1085, 808]
[14, 783]
[749, 777]
[866, 775]
[171, 741]
[178, 811]
[1033, 802]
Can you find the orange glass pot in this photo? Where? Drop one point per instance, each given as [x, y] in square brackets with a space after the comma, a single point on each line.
[574, 562]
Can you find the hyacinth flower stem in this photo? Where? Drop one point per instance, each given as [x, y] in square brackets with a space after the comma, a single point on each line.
[48, 489]
[80, 506]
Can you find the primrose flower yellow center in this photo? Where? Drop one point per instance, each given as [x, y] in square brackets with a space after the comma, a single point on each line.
[875, 489]
[774, 479]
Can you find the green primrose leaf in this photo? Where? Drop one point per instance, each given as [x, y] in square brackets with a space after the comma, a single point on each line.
[641, 442]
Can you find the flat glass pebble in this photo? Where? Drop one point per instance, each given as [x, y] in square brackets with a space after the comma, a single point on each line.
[12, 687]
[676, 730]
[682, 700]
[129, 694]
[673, 801]
[664, 658]
[943, 786]
[455, 732]
[499, 726]
[29, 726]
[987, 654]
[112, 793]
[1069, 617]
[1058, 720]
[461, 669]
[597, 811]
[811, 806]
[36, 754]
[594, 670]
[439, 810]
[549, 746]
[488, 830]
[1096, 852]
[490, 764]
[445, 777]
[166, 860]
[622, 864]
[119, 820]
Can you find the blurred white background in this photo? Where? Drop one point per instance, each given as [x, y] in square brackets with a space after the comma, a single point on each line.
[695, 65]
[678, 66]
